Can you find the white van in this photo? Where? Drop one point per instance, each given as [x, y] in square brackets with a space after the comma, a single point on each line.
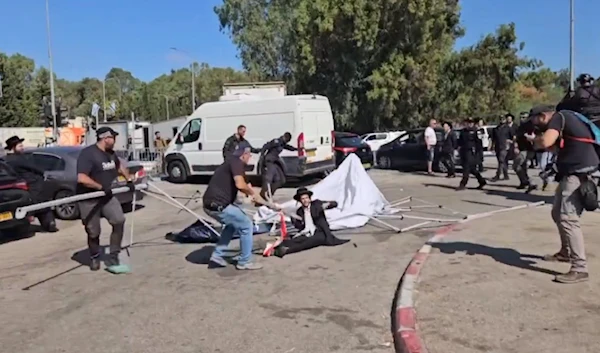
[197, 148]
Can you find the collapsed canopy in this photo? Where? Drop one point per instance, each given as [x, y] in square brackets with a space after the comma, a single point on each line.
[357, 196]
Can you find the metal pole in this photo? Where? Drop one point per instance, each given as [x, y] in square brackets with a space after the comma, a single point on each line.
[52, 97]
[192, 66]
[572, 48]
[103, 99]
[167, 101]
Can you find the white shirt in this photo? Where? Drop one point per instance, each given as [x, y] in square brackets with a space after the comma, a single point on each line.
[309, 224]
[430, 137]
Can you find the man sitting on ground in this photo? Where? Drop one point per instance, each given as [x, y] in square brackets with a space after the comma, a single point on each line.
[313, 226]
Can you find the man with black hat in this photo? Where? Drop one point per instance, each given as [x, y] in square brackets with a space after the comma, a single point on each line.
[312, 224]
[502, 139]
[576, 160]
[468, 142]
[34, 176]
[98, 167]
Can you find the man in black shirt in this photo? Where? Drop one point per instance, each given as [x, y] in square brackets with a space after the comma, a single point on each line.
[219, 203]
[523, 149]
[272, 173]
[502, 141]
[468, 144]
[233, 141]
[576, 160]
[98, 167]
[585, 99]
[34, 176]
[449, 145]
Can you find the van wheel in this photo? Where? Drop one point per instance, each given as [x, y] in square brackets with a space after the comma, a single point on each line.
[177, 172]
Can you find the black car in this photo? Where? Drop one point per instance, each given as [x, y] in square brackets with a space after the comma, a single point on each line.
[13, 194]
[408, 151]
[346, 143]
[60, 167]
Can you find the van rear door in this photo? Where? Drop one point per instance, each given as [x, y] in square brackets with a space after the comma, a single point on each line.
[317, 128]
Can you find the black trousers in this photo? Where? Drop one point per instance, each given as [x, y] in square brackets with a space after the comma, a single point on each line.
[302, 242]
[46, 218]
[469, 166]
[448, 161]
[91, 213]
[272, 175]
[503, 157]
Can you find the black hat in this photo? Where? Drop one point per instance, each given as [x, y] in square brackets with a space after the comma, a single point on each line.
[302, 191]
[507, 115]
[540, 109]
[12, 142]
[469, 120]
[106, 131]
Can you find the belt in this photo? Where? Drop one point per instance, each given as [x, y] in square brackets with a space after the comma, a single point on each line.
[215, 207]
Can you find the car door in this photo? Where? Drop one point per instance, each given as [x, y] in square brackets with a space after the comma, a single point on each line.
[403, 150]
[189, 144]
[54, 171]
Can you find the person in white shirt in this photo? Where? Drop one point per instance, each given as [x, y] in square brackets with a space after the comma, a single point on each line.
[430, 142]
[312, 225]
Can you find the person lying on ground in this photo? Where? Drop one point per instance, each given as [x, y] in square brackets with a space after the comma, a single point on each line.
[312, 224]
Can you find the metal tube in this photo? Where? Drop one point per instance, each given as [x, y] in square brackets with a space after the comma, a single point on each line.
[193, 88]
[22, 212]
[572, 48]
[103, 100]
[51, 68]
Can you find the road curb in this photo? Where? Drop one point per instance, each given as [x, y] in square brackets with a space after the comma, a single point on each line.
[404, 315]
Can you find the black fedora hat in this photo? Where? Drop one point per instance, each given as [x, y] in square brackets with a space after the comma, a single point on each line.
[12, 142]
[302, 191]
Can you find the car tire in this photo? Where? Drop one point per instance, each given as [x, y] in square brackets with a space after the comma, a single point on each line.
[177, 172]
[440, 167]
[69, 211]
[384, 162]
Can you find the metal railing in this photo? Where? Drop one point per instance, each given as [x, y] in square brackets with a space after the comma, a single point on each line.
[152, 159]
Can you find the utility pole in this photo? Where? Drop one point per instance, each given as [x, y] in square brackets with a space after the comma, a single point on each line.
[52, 97]
[167, 102]
[572, 49]
[104, 98]
[192, 66]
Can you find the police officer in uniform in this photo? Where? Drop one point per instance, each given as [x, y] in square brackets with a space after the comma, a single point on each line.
[585, 99]
[468, 143]
[272, 173]
[480, 135]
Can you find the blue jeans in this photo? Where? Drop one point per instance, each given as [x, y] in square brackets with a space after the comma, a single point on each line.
[234, 221]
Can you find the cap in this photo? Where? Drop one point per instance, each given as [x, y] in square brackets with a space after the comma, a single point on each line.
[540, 109]
[242, 147]
[106, 131]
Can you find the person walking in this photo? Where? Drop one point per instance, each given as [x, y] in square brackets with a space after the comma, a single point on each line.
[502, 141]
[98, 167]
[524, 152]
[468, 154]
[576, 160]
[273, 175]
[430, 142]
[449, 145]
[219, 203]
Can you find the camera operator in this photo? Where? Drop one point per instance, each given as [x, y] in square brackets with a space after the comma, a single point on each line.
[576, 161]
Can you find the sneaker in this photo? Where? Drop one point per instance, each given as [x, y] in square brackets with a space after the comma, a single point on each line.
[481, 186]
[249, 266]
[506, 178]
[531, 188]
[523, 186]
[461, 187]
[216, 262]
[495, 179]
[95, 263]
[572, 277]
[558, 257]
[119, 269]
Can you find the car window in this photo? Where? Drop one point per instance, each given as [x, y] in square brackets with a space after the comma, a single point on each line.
[348, 141]
[381, 136]
[6, 171]
[412, 138]
[371, 138]
[191, 132]
[48, 162]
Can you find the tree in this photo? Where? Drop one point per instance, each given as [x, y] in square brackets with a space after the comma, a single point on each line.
[17, 105]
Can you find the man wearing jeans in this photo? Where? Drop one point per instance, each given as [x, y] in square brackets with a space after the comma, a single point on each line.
[219, 200]
[576, 161]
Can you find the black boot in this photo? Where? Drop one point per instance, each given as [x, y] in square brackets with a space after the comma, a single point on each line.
[280, 251]
[95, 263]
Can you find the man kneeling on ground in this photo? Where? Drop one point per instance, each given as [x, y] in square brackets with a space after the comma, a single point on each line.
[314, 228]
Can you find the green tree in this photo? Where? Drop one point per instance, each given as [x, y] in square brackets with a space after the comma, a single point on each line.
[17, 106]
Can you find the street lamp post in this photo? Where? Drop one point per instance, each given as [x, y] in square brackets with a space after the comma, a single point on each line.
[52, 96]
[572, 48]
[192, 69]
[167, 103]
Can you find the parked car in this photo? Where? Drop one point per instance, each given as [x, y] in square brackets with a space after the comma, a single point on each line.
[486, 139]
[378, 139]
[409, 151]
[346, 143]
[13, 194]
[60, 166]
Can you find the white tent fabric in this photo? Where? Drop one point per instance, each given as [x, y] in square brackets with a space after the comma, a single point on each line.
[357, 196]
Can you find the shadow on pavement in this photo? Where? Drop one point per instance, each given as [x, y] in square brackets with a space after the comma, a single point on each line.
[509, 195]
[506, 256]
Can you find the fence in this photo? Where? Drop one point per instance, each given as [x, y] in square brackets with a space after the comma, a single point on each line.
[152, 159]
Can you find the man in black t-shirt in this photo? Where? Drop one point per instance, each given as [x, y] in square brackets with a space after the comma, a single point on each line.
[523, 150]
[502, 140]
[219, 200]
[575, 161]
[98, 167]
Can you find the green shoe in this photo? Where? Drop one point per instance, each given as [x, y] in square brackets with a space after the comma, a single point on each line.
[118, 269]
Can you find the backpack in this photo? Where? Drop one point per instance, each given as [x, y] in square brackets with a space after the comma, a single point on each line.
[595, 130]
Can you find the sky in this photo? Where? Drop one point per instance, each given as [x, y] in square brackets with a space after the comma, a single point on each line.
[89, 37]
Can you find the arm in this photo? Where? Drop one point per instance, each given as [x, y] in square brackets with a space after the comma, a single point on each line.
[254, 150]
[298, 222]
[84, 168]
[271, 144]
[290, 148]
[551, 135]
[241, 184]
[327, 205]
[22, 163]
[85, 180]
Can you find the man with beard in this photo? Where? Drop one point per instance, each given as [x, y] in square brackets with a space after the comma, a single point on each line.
[502, 141]
[34, 176]
[232, 143]
[97, 168]
[312, 224]
[273, 176]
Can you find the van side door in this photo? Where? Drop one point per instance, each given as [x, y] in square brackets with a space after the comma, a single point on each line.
[189, 143]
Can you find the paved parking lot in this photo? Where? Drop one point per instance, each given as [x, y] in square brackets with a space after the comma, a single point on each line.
[324, 300]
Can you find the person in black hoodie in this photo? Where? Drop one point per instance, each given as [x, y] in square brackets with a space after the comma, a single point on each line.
[585, 99]
[449, 145]
[34, 176]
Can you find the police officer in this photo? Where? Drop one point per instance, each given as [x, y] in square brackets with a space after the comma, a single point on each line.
[480, 136]
[585, 99]
[34, 176]
[272, 172]
[233, 141]
[468, 142]
[502, 142]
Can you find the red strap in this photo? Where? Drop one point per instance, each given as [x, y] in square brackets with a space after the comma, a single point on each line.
[582, 139]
